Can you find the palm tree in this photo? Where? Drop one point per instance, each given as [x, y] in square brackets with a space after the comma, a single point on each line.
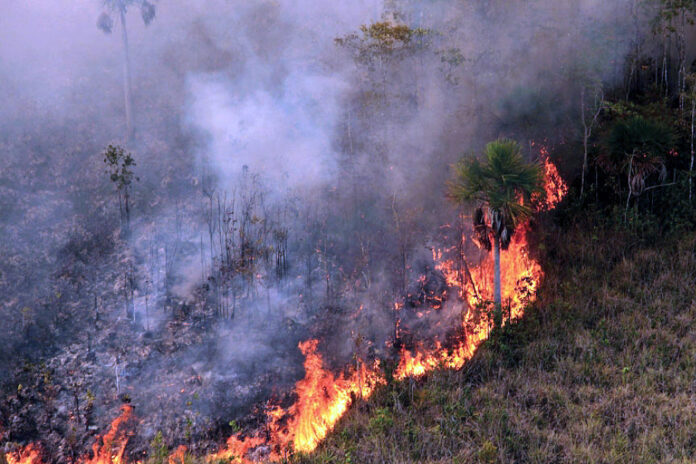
[503, 186]
[106, 23]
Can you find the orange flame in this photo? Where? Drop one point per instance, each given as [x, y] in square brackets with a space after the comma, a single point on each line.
[31, 454]
[554, 185]
[323, 397]
[178, 456]
[237, 448]
[520, 276]
[109, 448]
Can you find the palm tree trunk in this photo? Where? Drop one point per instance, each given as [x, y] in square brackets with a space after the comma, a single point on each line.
[498, 310]
[126, 78]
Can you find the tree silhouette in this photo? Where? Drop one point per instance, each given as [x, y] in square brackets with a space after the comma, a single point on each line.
[105, 22]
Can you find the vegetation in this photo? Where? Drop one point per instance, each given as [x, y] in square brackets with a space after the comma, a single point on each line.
[120, 164]
[504, 185]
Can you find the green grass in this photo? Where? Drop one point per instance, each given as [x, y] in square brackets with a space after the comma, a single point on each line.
[602, 369]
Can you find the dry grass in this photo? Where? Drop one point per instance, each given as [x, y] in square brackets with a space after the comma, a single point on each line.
[602, 370]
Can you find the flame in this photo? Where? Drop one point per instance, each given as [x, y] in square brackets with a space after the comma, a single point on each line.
[31, 454]
[237, 448]
[109, 448]
[178, 456]
[322, 399]
[520, 276]
[554, 185]
[323, 396]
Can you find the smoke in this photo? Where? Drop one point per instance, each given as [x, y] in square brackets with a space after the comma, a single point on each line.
[289, 186]
[286, 137]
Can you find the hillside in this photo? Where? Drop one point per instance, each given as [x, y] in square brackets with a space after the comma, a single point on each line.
[600, 370]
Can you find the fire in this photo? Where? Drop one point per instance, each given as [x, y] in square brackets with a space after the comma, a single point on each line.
[109, 448]
[322, 399]
[554, 186]
[323, 396]
[520, 275]
[178, 456]
[31, 454]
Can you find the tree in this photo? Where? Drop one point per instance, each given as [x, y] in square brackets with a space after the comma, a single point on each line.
[106, 23]
[641, 147]
[586, 74]
[503, 185]
[589, 112]
[672, 21]
[383, 44]
[690, 96]
[119, 164]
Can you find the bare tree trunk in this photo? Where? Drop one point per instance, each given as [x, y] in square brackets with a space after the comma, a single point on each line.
[498, 299]
[584, 141]
[663, 75]
[126, 78]
[681, 52]
[126, 201]
[588, 126]
[630, 187]
[691, 165]
[147, 309]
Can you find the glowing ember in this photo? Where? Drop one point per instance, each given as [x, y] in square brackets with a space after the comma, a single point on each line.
[323, 397]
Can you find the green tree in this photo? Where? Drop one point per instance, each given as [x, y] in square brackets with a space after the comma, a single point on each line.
[119, 165]
[106, 23]
[503, 186]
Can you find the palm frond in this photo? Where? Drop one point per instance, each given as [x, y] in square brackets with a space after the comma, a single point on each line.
[506, 183]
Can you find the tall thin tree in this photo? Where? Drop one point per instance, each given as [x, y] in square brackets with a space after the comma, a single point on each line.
[106, 24]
